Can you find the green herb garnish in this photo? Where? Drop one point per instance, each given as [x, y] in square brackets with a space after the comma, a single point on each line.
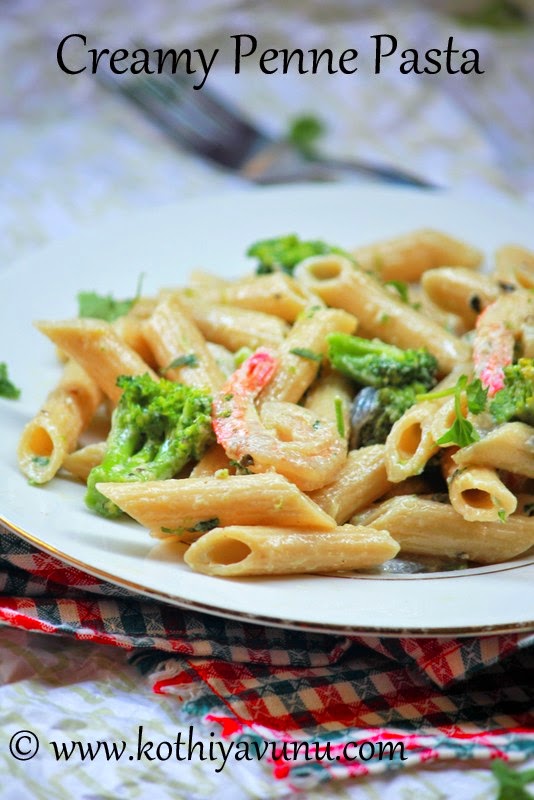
[304, 133]
[205, 525]
[189, 360]
[99, 306]
[41, 461]
[7, 388]
[462, 432]
[402, 289]
[303, 352]
[512, 782]
[340, 422]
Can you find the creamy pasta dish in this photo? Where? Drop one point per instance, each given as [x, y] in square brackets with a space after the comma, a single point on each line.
[325, 413]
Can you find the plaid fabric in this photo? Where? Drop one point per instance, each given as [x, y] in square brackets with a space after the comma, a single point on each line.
[443, 698]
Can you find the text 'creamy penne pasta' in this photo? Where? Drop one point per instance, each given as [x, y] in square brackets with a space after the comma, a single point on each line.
[331, 411]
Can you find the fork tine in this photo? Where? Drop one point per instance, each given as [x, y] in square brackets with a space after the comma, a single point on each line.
[214, 107]
[202, 124]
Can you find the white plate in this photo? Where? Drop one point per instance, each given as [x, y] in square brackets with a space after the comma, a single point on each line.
[213, 233]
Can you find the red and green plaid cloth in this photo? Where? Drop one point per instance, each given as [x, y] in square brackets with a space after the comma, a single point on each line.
[443, 698]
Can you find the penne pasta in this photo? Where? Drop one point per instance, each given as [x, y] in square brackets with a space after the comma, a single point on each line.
[277, 294]
[360, 482]
[340, 284]
[509, 447]
[252, 369]
[98, 350]
[460, 291]
[301, 354]
[408, 256]
[186, 505]
[129, 329]
[514, 266]
[477, 493]
[426, 527]
[242, 551]
[81, 462]
[53, 433]
[331, 388]
[171, 334]
[235, 328]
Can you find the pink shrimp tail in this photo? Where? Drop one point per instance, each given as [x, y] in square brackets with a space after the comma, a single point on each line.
[229, 404]
[492, 380]
[254, 373]
[493, 349]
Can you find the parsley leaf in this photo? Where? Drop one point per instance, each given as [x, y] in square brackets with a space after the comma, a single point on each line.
[462, 432]
[512, 782]
[476, 396]
[7, 388]
[99, 306]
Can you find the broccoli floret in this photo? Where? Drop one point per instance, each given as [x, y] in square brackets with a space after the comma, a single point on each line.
[371, 362]
[157, 427]
[516, 400]
[374, 411]
[285, 252]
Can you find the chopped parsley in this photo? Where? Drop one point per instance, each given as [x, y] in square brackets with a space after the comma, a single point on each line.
[340, 422]
[402, 289]
[303, 352]
[205, 525]
[189, 360]
[7, 387]
[41, 461]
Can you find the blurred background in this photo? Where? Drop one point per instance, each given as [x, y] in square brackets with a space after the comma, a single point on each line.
[73, 152]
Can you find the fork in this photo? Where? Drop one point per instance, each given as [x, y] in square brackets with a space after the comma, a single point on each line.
[205, 124]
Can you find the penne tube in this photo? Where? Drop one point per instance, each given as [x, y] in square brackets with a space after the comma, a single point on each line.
[303, 351]
[54, 431]
[410, 443]
[171, 334]
[277, 294]
[477, 493]
[214, 460]
[142, 308]
[408, 256]
[322, 398]
[509, 447]
[98, 350]
[81, 462]
[340, 284]
[460, 291]
[238, 327]
[178, 505]
[129, 329]
[514, 266]
[360, 482]
[426, 527]
[240, 550]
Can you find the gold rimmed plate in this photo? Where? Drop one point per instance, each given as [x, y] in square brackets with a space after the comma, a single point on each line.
[213, 233]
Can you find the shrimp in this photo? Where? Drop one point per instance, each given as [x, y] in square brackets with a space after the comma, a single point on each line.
[497, 329]
[286, 438]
